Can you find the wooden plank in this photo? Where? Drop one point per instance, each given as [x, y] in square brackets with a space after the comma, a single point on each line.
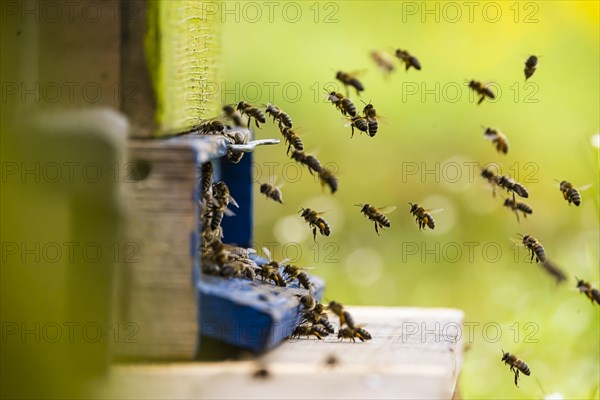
[414, 354]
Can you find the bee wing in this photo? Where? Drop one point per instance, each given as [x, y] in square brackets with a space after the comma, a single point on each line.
[284, 261]
[232, 201]
[360, 325]
[228, 212]
[359, 72]
[584, 187]
[518, 242]
[435, 211]
[267, 253]
[387, 209]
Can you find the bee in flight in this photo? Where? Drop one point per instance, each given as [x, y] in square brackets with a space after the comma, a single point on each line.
[517, 206]
[498, 139]
[278, 115]
[233, 114]
[530, 66]
[344, 104]
[360, 123]
[342, 314]
[348, 79]
[554, 271]
[377, 215]
[327, 178]
[370, 114]
[252, 112]
[534, 248]
[590, 292]
[423, 216]
[570, 193]
[272, 192]
[383, 60]
[408, 60]
[482, 90]
[292, 139]
[516, 365]
[315, 221]
[311, 162]
[506, 182]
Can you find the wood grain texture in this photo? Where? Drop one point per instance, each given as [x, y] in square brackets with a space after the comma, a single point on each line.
[415, 354]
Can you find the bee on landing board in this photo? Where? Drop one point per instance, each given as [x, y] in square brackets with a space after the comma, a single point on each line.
[294, 272]
[408, 60]
[310, 330]
[348, 79]
[590, 292]
[423, 216]
[315, 221]
[516, 365]
[482, 90]
[570, 193]
[498, 139]
[530, 66]
[377, 215]
[517, 207]
[357, 332]
[270, 271]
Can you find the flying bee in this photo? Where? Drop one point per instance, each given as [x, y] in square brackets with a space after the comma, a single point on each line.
[344, 104]
[233, 114]
[360, 123]
[530, 66]
[348, 79]
[315, 221]
[423, 216]
[310, 161]
[553, 270]
[310, 330]
[534, 247]
[221, 200]
[270, 270]
[498, 139]
[590, 292]
[294, 272]
[353, 333]
[278, 115]
[292, 139]
[482, 90]
[570, 193]
[517, 206]
[327, 178]
[384, 61]
[408, 60]
[516, 365]
[377, 215]
[252, 112]
[343, 315]
[371, 115]
[506, 182]
[491, 177]
[272, 192]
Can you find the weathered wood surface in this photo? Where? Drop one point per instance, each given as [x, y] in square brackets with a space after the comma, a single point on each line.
[415, 354]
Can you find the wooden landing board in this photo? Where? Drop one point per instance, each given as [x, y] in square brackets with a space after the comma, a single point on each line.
[415, 353]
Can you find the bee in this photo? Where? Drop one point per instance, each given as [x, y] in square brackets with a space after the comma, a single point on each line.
[309, 303]
[353, 333]
[377, 215]
[315, 221]
[517, 206]
[270, 270]
[482, 90]
[344, 104]
[310, 161]
[239, 268]
[408, 60]
[530, 66]
[342, 314]
[278, 115]
[327, 178]
[318, 318]
[570, 193]
[371, 115]
[307, 330]
[516, 365]
[221, 200]
[252, 112]
[360, 123]
[212, 127]
[535, 248]
[294, 272]
[292, 139]
[498, 139]
[423, 216]
[236, 136]
[272, 192]
[206, 176]
[383, 61]
[491, 177]
[233, 114]
[349, 80]
[590, 292]
[510, 185]
[554, 271]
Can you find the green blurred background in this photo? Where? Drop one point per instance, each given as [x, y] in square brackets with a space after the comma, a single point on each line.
[550, 124]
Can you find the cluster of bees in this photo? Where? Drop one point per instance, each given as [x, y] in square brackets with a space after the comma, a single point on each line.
[315, 321]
